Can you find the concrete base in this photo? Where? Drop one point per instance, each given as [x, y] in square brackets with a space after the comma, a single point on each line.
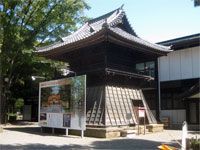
[99, 132]
[155, 127]
[128, 133]
[111, 132]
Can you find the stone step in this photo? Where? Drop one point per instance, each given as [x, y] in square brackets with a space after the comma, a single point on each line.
[128, 133]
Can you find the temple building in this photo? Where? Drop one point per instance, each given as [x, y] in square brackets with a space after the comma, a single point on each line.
[118, 65]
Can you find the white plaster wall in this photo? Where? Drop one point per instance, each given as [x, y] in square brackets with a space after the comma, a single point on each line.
[174, 65]
[181, 64]
[196, 61]
[175, 116]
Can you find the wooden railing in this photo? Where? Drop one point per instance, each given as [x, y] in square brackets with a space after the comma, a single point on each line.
[147, 72]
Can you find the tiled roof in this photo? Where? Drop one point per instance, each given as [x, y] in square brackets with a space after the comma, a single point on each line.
[181, 39]
[108, 21]
[138, 40]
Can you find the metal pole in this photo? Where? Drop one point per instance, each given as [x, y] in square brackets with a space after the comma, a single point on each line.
[144, 121]
[159, 95]
[138, 129]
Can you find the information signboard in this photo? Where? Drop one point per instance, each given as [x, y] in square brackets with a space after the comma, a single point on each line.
[62, 103]
[142, 113]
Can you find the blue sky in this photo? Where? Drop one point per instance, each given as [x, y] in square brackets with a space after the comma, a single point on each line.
[154, 20]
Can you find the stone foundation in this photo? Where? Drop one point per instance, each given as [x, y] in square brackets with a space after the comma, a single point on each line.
[99, 132]
[110, 132]
[155, 127]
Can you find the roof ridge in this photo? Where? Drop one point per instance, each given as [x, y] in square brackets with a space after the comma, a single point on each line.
[111, 21]
[103, 16]
[117, 18]
[76, 32]
[138, 39]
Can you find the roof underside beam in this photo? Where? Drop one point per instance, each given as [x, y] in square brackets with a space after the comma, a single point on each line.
[104, 35]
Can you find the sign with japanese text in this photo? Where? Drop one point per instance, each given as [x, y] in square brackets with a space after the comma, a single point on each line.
[141, 113]
[62, 103]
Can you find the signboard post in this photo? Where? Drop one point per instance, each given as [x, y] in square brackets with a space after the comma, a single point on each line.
[62, 104]
[142, 115]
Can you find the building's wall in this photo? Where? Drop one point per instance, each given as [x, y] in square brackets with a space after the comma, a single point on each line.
[176, 117]
[180, 64]
[95, 105]
[121, 108]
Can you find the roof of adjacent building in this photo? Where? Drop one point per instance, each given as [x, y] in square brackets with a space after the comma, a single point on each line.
[114, 23]
[183, 42]
[192, 92]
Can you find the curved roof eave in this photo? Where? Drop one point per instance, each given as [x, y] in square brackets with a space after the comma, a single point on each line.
[108, 34]
[95, 28]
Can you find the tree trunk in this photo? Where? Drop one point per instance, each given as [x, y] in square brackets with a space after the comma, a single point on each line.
[3, 105]
[1, 116]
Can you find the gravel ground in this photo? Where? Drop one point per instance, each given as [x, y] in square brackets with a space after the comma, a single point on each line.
[21, 137]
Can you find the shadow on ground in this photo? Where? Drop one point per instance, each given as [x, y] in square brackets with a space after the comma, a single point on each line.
[42, 147]
[111, 144]
[114, 144]
[133, 143]
[21, 123]
[30, 130]
[37, 131]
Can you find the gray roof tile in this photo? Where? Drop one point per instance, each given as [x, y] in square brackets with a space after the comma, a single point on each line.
[111, 20]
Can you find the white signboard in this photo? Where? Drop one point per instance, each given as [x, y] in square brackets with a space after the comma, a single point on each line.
[142, 113]
[62, 103]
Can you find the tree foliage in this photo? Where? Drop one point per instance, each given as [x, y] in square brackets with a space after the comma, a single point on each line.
[196, 3]
[28, 23]
[19, 104]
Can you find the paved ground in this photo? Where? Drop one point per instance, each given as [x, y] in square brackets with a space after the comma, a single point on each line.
[21, 137]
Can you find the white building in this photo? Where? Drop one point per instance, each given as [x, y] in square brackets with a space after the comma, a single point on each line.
[179, 78]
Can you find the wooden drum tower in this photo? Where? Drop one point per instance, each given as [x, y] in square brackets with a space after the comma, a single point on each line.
[118, 65]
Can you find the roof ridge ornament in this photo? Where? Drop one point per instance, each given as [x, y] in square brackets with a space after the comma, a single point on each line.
[105, 25]
[91, 28]
[60, 38]
[122, 6]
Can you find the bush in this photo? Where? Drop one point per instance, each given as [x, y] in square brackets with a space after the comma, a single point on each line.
[12, 114]
[19, 104]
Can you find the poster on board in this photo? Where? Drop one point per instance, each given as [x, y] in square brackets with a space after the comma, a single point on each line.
[62, 103]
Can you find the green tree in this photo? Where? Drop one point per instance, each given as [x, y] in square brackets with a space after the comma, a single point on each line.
[28, 23]
[19, 104]
[196, 3]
